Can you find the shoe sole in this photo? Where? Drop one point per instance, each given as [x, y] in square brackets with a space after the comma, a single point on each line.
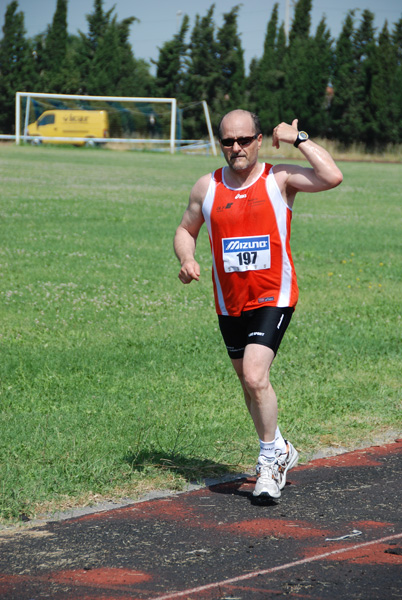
[266, 495]
[291, 464]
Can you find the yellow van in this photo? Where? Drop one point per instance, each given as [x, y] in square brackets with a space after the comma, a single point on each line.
[70, 123]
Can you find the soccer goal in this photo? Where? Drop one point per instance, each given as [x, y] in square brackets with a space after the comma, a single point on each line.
[142, 123]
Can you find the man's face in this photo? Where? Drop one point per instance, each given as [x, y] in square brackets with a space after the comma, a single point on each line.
[239, 156]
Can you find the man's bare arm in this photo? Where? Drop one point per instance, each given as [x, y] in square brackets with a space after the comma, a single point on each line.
[323, 175]
[187, 232]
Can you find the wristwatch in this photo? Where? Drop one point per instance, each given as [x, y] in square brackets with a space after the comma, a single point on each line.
[302, 136]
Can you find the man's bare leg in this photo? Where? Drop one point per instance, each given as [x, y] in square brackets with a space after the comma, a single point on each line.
[253, 372]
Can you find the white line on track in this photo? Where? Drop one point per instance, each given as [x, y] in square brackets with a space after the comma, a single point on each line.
[296, 563]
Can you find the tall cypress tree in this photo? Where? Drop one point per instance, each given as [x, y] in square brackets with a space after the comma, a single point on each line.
[364, 54]
[171, 63]
[105, 65]
[16, 65]
[345, 118]
[383, 100]
[98, 22]
[281, 46]
[108, 66]
[230, 56]
[319, 67]
[125, 81]
[202, 72]
[71, 80]
[307, 66]
[144, 81]
[297, 75]
[253, 84]
[397, 45]
[55, 50]
[302, 21]
[270, 80]
[133, 76]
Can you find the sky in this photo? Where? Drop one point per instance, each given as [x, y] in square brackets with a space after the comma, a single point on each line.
[159, 19]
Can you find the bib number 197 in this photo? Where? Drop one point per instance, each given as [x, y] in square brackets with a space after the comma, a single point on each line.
[247, 258]
[246, 253]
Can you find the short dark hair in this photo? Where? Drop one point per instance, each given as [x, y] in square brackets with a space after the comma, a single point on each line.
[254, 117]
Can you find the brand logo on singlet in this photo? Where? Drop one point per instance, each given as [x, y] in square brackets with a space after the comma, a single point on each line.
[250, 243]
[239, 196]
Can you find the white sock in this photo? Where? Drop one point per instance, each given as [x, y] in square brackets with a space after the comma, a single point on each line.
[267, 449]
[280, 443]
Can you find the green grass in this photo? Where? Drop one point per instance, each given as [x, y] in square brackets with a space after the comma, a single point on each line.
[114, 378]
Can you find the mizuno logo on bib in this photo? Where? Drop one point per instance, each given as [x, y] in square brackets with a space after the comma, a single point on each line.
[246, 253]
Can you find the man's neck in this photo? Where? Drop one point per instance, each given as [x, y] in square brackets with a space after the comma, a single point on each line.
[242, 178]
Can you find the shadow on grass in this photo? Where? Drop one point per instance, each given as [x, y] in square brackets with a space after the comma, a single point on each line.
[195, 469]
[190, 468]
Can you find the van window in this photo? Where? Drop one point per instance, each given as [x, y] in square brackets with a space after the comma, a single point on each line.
[46, 120]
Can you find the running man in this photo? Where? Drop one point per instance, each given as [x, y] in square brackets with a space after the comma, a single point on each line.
[247, 208]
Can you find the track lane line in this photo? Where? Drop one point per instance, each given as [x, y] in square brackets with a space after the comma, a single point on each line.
[296, 563]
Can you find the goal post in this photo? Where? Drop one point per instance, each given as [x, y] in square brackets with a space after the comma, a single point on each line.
[30, 95]
[161, 122]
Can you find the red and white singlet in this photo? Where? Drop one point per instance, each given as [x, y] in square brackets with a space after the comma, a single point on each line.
[249, 233]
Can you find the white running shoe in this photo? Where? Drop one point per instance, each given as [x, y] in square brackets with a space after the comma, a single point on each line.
[267, 483]
[286, 461]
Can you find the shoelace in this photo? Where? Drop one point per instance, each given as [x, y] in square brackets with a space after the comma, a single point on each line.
[273, 466]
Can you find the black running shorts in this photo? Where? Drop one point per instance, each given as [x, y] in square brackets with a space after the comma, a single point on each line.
[265, 326]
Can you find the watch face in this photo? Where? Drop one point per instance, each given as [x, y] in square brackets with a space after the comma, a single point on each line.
[303, 135]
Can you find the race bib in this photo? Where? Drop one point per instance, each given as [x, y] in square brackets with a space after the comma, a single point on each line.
[246, 253]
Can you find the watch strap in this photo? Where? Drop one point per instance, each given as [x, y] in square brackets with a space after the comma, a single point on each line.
[302, 136]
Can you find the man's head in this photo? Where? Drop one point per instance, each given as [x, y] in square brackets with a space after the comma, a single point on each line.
[240, 137]
[240, 112]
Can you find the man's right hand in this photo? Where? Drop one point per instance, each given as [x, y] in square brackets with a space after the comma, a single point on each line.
[285, 133]
[189, 270]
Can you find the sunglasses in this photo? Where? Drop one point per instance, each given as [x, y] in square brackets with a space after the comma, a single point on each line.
[242, 141]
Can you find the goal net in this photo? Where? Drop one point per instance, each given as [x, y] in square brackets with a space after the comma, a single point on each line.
[139, 123]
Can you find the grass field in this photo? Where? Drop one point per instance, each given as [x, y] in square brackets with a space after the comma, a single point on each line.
[114, 379]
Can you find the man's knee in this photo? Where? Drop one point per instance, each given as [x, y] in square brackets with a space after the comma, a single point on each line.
[255, 379]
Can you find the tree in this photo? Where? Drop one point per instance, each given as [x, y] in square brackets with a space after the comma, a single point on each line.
[97, 24]
[319, 67]
[301, 22]
[171, 64]
[307, 65]
[202, 72]
[397, 45]
[105, 67]
[16, 65]
[364, 56]
[270, 77]
[345, 118]
[71, 77]
[296, 95]
[98, 21]
[253, 84]
[107, 64]
[281, 45]
[202, 75]
[230, 88]
[55, 51]
[143, 79]
[134, 78]
[383, 97]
